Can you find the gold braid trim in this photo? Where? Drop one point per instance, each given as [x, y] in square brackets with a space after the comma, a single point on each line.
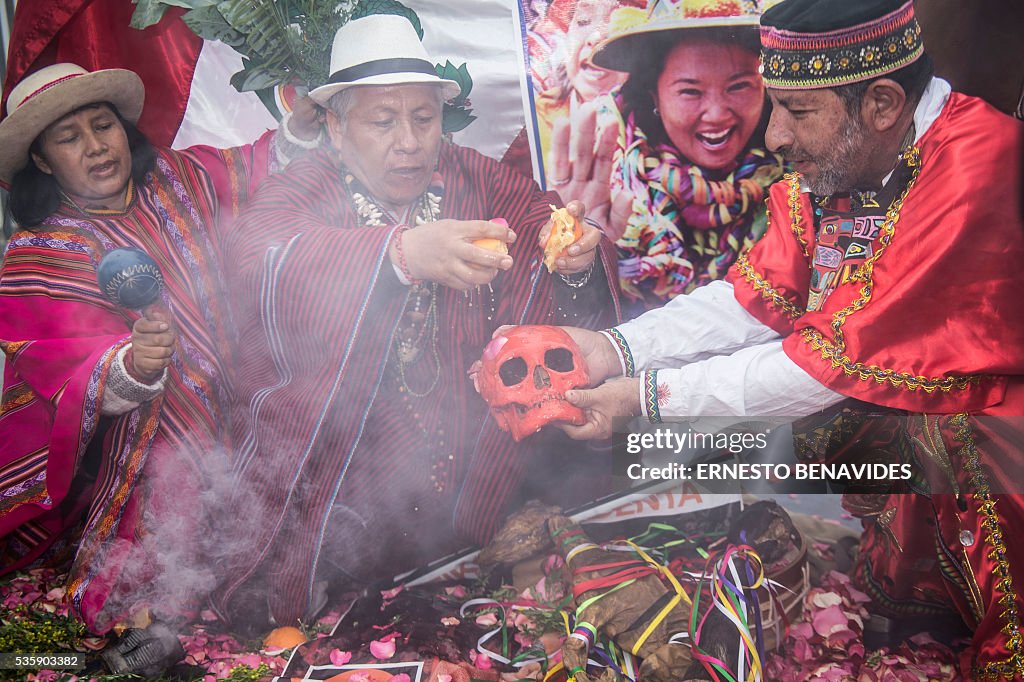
[15, 396]
[835, 350]
[864, 273]
[831, 352]
[1013, 666]
[796, 219]
[761, 285]
[12, 348]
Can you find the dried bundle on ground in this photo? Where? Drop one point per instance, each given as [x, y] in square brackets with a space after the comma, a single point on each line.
[634, 600]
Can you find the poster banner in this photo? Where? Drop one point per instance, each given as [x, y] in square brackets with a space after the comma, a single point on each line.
[563, 84]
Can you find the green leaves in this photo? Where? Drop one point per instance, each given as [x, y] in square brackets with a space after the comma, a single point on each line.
[264, 28]
[284, 41]
[455, 118]
[246, 673]
[253, 77]
[456, 113]
[458, 74]
[258, 29]
[149, 12]
[37, 632]
[209, 24]
[367, 7]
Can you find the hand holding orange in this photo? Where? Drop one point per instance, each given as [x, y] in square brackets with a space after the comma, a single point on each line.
[565, 230]
[491, 244]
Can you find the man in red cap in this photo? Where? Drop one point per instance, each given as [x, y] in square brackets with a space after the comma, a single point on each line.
[889, 275]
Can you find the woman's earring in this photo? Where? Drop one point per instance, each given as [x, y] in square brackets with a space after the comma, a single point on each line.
[656, 112]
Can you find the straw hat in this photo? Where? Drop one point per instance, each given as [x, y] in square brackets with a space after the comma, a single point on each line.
[631, 28]
[380, 49]
[45, 96]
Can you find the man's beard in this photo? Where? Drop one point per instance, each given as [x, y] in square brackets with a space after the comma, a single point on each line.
[835, 173]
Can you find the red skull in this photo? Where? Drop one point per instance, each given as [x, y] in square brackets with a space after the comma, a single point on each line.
[524, 375]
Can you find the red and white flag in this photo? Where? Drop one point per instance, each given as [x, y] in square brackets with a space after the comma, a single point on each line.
[189, 99]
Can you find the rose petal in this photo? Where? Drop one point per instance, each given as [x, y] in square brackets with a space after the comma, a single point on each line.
[487, 619]
[479, 660]
[552, 563]
[383, 650]
[827, 621]
[858, 596]
[392, 593]
[251, 660]
[524, 622]
[94, 643]
[551, 641]
[339, 657]
[802, 630]
[837, 577]
[330, 619]
[825, 599]
[841, 637]
[495, 345]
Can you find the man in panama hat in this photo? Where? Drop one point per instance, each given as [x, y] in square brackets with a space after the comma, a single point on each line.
[365, 294]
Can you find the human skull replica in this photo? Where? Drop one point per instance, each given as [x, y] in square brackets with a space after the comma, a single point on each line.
[524, 375]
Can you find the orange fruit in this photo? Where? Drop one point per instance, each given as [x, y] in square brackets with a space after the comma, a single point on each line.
[491, 244]
[565, 230]
[286, 637]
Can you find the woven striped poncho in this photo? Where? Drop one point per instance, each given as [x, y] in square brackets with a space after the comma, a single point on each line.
[62, 464]
[331, 453]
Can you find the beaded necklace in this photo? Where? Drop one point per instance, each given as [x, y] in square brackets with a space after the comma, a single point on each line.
[417, 329]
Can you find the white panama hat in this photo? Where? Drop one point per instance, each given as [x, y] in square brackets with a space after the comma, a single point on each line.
[47, 95]
[380, 49]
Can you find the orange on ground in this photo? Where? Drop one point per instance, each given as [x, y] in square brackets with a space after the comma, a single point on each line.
[285, 637]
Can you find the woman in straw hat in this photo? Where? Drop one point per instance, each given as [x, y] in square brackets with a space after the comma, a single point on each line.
[690, 170]
[109, 420]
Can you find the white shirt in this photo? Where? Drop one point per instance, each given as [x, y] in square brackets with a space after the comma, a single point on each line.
[713, 358]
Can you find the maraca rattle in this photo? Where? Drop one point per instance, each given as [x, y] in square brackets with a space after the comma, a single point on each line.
[128, 277]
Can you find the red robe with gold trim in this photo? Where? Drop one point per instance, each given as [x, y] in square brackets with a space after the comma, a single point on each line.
[932, 322]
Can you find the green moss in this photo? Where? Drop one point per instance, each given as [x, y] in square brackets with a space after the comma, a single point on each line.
[245, 673]
[26, 631]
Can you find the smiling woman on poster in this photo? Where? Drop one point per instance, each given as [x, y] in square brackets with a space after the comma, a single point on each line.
[690, 169]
